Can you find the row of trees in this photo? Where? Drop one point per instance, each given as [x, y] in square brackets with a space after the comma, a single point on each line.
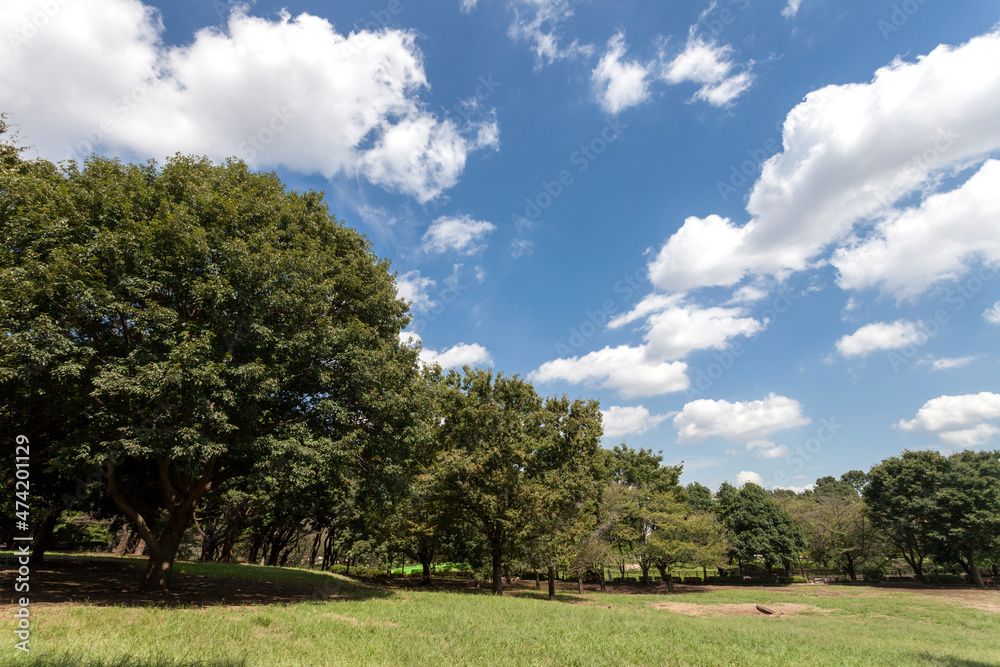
[194, 349]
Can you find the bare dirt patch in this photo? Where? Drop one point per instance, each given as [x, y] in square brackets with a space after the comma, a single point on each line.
[355, 622]
[740, 609]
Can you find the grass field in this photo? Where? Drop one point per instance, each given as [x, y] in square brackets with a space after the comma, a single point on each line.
[348, 623]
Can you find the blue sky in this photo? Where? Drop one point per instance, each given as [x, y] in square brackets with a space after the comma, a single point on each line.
[764, 234]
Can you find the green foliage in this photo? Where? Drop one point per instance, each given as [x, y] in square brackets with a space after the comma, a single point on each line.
[191, 322]
[929, 504]
[512, 467]
[759, 528]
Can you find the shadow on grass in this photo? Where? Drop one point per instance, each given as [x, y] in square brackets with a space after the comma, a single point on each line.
[947, 661]
[68, 659]
[113, 582]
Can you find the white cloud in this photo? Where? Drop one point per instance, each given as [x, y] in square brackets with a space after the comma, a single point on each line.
[960, 421]
[746, 476]
[461, 234]
[415, 289]
[711, 65]
[992, 315]
[462, 354]
[290, 91]
[796, 489]
[538, 22]
[468, 5]
[948, 363]
[791, 9]
[744, 423]
[949, 232]
[675, 328]
[881, 336]
[851, 152]
[619, 421]
[521, 247]
[625, 369]
[618, 83]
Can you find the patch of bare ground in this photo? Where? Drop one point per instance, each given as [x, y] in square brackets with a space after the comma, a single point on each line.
[355, 622]
[741, 609]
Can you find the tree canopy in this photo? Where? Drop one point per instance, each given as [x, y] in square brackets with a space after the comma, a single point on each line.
[201, 316]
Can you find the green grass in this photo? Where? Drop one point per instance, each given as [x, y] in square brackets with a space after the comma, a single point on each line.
[859, 626]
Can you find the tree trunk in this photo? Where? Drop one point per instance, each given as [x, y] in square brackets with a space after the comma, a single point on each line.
[43, 538]
[538, 584]
[974, 574]
[124, 537]
[314, 552]
[426, 565]
[579, 584]
[506, 573]
[552, 582]
[140, 548]
[604, 586]
[180, 507]
[497, 570]
[851, 570]
[161, 561]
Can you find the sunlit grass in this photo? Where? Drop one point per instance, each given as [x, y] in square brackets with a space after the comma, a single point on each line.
[852, 626]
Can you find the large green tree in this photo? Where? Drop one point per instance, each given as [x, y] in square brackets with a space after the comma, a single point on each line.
[929, 504]
[511, 461]
[759, 529]
[191, 319]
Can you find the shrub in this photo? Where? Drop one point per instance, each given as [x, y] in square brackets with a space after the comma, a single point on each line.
[874, 575]
[944, 579]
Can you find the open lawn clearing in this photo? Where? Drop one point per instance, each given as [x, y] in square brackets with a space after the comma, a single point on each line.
[361, 624]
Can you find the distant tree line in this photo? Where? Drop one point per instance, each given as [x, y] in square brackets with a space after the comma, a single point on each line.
[198, 354]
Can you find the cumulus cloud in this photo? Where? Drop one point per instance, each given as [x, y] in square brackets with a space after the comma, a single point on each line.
[881, 336]
[461, 234]
[948, 363]
[992, 315]
[852, 152]
[619, 83]
[746, 423]
[949, 232]
[291, 91]
[463, 354]
[710, 64]
[415, 289]
[675, 328]
[628, 370]
[619, 421]
[959, 421]
[745, 476]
